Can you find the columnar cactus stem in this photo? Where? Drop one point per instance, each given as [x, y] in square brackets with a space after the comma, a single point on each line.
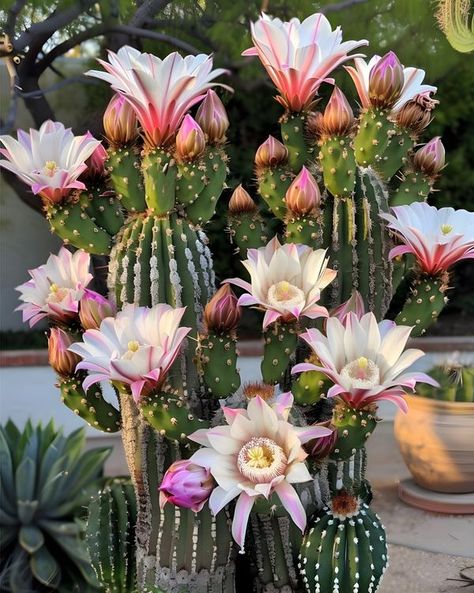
[124, 168]
[373, 136]
[293, 133]
[280, 343]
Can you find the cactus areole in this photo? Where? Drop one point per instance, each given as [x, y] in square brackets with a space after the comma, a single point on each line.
[275, 470]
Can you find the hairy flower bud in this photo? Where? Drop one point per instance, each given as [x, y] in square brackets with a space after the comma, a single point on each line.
[322, 447]
[430, 159]
[96, 162]
[271, 153]
[93, 308]
[60, 358]
[303, 195]
[120, 122]
[222, 313]
[415, 115]
[314, 125]
[212, 117]
[386, 81]
[186, 485]
[338, 116]
[190, 140]
[241, 201]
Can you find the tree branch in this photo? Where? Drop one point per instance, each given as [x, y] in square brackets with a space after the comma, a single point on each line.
[13, 13]
[340, 5]
[146, 11]
[138, 32]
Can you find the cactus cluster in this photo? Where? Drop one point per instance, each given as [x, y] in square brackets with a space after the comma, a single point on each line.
[456, 384]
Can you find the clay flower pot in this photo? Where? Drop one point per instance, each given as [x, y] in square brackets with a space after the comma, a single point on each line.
[436, 439]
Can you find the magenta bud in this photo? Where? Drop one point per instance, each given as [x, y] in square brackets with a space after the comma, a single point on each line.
[386, 81]
[120, 122]
[430, 159]
[324, 446]
[190, 140]
[271, 154]
[212, 117]
[338, 116]
[222, 313]
[355, 304]
[93, 308]
[303, 195]
[186, 485]
[60, 358]
[96, 162]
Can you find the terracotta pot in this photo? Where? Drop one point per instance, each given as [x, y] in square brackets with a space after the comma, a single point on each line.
[436, 439]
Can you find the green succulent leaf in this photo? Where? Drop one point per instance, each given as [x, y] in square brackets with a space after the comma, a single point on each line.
[8, 533]
[25, 480]
[20, 577]
[31, 538]
[7, 485]
[45, 568]
[26, 510]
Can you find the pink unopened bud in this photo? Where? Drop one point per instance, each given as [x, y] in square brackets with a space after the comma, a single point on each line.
[415, 115]
[120, 122]
[190, 140]
[355, 304]
[222, 313]
[62, 361]
[324, 446]
[271, 153]
[96, 162]
[338, 116]
[303, 195]
[241, 201]
[430, 159]
[93, 308]
[386, 81]
[186, 485]
[212, 117]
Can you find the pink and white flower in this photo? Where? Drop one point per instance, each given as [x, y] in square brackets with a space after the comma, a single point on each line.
[160, 91]
[257, 454]
[55, 288]
[299, 56]
[49, 160]
[412, 85]
[354, 304]
[437, 237]
[186, 485]
[285, 280]
[135, 348]
[365, 360]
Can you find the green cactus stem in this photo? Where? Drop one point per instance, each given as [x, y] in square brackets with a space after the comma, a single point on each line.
[105, 209]
[218, 358]
[339, 166]
[307, 229]
[456, 384]
[190, 182]
[415, 187]
[293, 135]
[353, 429]
[272, 187]
[309, 387]
[247, 231]
[373, 136]
[159, 173]
[280, 343]
[123, 165]
[425, 302]
[395, 157]
[348, 475]
[90, 405]
[344, 553]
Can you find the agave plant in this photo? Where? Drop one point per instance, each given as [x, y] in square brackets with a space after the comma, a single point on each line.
[46, 481]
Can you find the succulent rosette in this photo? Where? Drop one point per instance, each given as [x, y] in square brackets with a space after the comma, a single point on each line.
[49, 160]
[135, 348]
[286, 281]
[55, 288]
[299, 56]
[366, 360]
[256, 454]
[160, 91]
[438, 238]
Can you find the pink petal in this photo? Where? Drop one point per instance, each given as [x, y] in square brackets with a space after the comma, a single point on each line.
[270, 317]
[292, 503]
[241, 516]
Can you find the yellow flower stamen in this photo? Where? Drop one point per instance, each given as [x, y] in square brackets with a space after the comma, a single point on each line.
[50, 168]
[446, 229]
[133, 346]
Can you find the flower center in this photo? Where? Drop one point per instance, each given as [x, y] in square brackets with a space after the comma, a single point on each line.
[133, 346]
[363, 373]
[50, 168]
[446, 229]
[56, 294]
[284, 294]
[261, 459]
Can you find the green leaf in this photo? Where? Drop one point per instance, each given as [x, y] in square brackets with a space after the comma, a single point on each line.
[77, 552]
[7, 519]
[7, 486]
[31, 538]
[21, 579]
[75, 443]
[25, 480]
[60, 528]
[46, 437]
[8, 534]
[26, 510]
[45, 568]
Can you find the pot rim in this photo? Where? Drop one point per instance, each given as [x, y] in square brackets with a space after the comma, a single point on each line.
[446, 407]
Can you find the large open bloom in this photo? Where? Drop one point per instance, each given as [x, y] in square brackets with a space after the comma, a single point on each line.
[49, 160]
[135, 348]
[160, 91]
[56, 287]
[437, 237]
[286, 281]
[365, 359]
[412, 85]
[257, 454]
[299, 56]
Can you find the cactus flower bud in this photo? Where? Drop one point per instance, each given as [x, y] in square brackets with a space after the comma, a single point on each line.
[271, 153]
[120, 122]
[323, 446]
[222, 313]
[338, 116]
[314, 125]
[212, 117]
[354, 304]
[303, 195]
[60, 358]
[96, 162]
[430, 159]
[186, 485]
[386, 81]
[190, 140]
[241, 201]
[93, 308]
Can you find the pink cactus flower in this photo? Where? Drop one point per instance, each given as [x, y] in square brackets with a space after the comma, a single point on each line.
[438, 238]
[430, 158]
[212, 117]
[160, 91]
[96, 162]
[299, 56]
[303, 195]
[93, 309]
[190, 140]
[354, 304]
[136, 348]
[60, 358]
[186, 485]
[324, 446]
[365, 359]
[55, 288]
[286, 281]
[386, 81]
[257, 454]
[49, 160]
[412, 82]
[120, 121]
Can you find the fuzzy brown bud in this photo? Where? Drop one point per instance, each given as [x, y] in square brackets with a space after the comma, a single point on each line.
[241, 201]
[303, 195]
[212, 117]
[415, 115]
[120, 122]
[386, 81]
[271, 154]
[338, 116]
[222, 313]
